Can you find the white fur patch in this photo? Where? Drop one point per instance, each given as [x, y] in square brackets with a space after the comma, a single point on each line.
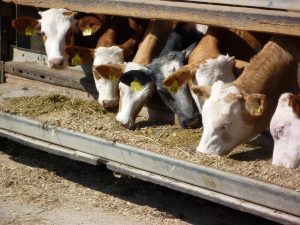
[134, 66]
[105, 55]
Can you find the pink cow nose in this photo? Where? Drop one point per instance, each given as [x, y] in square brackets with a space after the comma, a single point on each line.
[110, 103]
[56, 62]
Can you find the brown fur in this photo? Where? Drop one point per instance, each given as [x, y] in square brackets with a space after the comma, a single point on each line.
[155, 37]
[294, 102]
[21, 23]
[86, 54]
[90, 22]
[208, 47]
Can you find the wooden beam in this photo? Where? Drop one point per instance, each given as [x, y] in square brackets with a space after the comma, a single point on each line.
[274, 4]
[252, 19]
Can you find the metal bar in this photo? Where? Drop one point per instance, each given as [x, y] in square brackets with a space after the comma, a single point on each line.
[67, 78]
[253, 19]
[228, 201]
[51, 148]
[255, 191]
[1, 72]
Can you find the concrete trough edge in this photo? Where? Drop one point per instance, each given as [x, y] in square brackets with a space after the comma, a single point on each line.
[247, 189]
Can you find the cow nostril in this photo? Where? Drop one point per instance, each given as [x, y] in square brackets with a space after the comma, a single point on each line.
[110, 103]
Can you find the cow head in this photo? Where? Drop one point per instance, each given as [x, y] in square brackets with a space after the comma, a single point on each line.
[106, 77]
[176, 95]
[136, 87]
[227, 117]
[57, 27]
[284, 128]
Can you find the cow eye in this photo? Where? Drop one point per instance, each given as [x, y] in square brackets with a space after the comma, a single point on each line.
[43, 34]
[225, 126]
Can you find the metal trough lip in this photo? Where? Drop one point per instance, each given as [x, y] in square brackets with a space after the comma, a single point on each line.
[258, 192]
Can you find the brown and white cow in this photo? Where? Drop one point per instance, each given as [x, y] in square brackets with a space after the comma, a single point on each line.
[119, 41]
[57, 28]
[208, 64]
[236, 112]
[285, 127]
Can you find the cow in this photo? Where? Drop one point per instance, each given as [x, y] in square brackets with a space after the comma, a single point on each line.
[119, 41]
[236, 112]
[136, 85]
[58, 28]
[170, 59]
[284, 127]
[207, 64]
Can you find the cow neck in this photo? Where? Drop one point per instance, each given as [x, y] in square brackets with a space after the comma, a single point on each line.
[207, 48]
[108, 39]
[154, 36]
[270, 69]
[136, 31]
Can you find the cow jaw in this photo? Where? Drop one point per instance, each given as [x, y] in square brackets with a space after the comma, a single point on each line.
[107, 88]
[224, 126]
[56, 26]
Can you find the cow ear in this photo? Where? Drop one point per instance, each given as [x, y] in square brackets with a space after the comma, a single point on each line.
[70, 13]
[201, 90]
[26, 25]
[255, 104]
[180, 76]
[109, 71]
[79, 55]
[89, 25]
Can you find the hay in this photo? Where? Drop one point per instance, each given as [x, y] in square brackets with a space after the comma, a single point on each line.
[251, 159]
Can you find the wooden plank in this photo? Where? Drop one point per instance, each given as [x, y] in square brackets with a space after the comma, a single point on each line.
[252, 19]
[271, 4]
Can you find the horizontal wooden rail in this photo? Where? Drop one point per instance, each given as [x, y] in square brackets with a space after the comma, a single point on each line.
[253, 19]
[271, 4]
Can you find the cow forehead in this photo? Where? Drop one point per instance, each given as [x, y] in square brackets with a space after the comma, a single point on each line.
[105, 55]
[170, 67]
[54, 20]
[221, 101]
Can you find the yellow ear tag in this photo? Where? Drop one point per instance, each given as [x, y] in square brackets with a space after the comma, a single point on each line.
[174, 87]
[136, 86]
[87, 32]
[112, 76]
[258, 109]
[29, 31]
[76, 60]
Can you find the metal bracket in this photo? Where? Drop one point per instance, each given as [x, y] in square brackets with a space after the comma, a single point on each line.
[2, 78]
